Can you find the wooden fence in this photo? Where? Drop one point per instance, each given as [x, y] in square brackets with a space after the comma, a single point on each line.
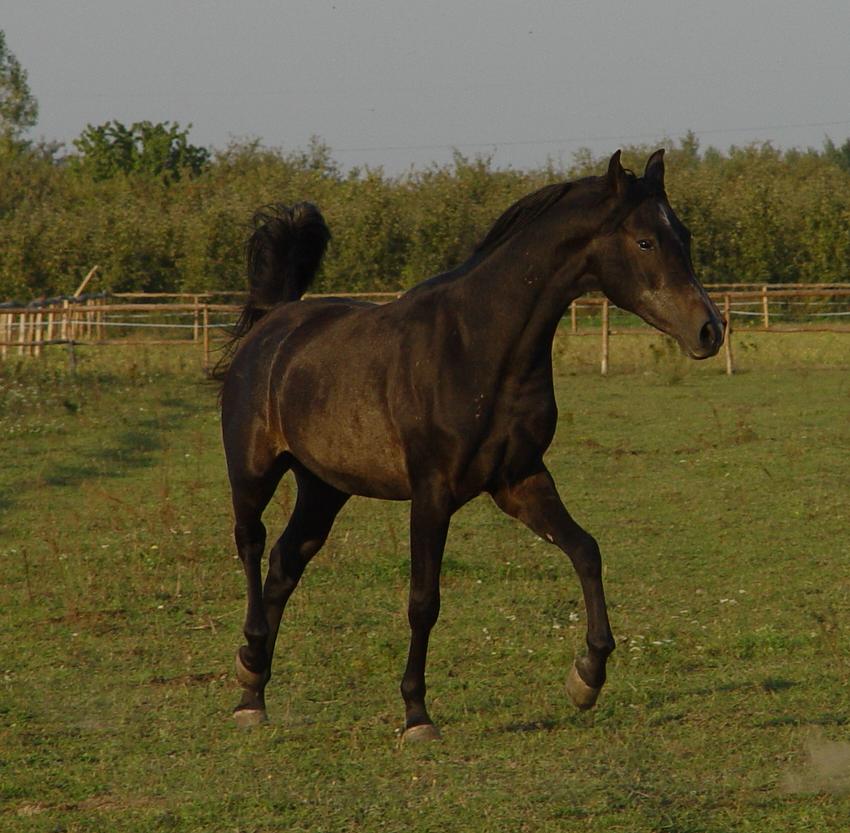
[129, 319]
[758, 305]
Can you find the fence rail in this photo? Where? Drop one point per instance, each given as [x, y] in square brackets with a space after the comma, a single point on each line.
[130, 319]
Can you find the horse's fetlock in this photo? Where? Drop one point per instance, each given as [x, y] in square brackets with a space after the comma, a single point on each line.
[602, 647]
[413, 691]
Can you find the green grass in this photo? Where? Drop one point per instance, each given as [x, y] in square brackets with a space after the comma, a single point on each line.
[720, 505]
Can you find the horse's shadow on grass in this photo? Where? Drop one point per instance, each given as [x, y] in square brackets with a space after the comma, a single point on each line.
[768, 685]
[547, 725]
[792, 720]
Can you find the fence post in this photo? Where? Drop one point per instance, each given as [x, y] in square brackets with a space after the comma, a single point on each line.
[764, 308]
[727, 341]
[22, 332]
[196, 322]
[3, 338]
[8, 328]
[605, 335]
[573, 318]
[206, 339]
[37, 334]
[50, 317]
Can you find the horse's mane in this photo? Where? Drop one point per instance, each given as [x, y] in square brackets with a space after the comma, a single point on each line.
[521, 214]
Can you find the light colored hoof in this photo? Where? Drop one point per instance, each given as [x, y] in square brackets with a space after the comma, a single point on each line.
[421, 733]
[582, 695]
[248, 678]
[247, 718]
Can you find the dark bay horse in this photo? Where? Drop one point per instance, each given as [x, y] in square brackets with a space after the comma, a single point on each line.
[436, 397]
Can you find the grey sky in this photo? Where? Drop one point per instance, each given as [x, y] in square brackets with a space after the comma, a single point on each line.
[400, 83]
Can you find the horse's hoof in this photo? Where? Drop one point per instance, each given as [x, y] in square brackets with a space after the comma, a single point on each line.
[583, 695]
[246, 718]
[421, 733]
[248, 678]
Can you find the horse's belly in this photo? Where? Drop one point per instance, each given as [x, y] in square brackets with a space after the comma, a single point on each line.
[352, 447]
[361, 469]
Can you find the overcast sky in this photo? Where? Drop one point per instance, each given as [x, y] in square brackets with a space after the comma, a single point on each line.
[401, 83]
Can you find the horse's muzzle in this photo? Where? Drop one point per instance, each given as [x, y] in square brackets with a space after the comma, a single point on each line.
[710, 338]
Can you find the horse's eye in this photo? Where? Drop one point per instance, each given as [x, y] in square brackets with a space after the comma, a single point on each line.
[646, 245]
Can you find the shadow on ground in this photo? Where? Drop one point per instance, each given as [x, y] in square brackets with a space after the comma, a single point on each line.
[133, 448]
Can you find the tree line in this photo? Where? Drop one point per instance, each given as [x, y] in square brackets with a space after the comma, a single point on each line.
[158, 213]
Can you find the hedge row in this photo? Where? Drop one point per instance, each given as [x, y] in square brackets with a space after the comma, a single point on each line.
[756, 213]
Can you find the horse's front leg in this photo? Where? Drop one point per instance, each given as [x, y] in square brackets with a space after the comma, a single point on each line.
[535, 501]
[429, 524]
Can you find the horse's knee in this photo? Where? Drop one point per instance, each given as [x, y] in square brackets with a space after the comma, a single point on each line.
[249, 537]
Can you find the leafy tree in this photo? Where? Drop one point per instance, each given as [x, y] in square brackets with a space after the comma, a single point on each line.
[838, 155]
[18, 108]
[757, 213]
[157, 150]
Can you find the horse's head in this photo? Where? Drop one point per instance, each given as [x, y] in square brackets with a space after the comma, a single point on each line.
[643, 260]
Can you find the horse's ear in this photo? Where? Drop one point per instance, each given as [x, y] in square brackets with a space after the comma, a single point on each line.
[616, 174]
[654, 173]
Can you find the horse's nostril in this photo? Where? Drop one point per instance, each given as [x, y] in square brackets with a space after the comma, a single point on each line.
[710, 335]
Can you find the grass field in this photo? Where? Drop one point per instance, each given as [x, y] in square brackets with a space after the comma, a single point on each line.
[720, 504]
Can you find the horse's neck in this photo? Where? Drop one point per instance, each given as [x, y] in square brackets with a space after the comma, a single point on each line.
[515, 298]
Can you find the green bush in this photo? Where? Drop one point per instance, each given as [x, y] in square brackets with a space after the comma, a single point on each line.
[170, 216]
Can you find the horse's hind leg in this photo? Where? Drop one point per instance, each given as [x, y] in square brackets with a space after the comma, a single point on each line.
[315, 511]
[251, 494]
[536, 503]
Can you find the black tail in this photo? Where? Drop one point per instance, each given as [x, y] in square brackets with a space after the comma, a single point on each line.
[283, 255]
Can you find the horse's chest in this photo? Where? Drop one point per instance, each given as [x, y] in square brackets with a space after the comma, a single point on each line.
[514, 437]
[529, 427]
